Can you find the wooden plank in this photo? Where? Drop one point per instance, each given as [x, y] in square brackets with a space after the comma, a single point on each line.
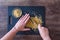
[52, 17]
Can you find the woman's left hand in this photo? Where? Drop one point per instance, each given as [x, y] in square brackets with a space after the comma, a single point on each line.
[20, 25]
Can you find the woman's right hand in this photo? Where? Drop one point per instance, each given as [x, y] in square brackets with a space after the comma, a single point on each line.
[43, 32]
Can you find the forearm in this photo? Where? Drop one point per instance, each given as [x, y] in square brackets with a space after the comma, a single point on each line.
[10, 35]
[47, 38]
[20, 26]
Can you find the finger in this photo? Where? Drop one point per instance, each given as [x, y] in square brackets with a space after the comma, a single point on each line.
[45, 28]
[26, 29]
[21, 17]
[24, 23]
[27, 19]
[39, 27]
[20, 20]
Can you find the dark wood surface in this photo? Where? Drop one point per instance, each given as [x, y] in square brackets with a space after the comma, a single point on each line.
[52, 17]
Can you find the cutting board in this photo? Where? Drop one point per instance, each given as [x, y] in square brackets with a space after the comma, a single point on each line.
[32, 10]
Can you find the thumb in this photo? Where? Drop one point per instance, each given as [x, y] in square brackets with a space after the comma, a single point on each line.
[39, 27]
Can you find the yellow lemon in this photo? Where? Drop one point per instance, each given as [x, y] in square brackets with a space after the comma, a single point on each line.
[17, 12]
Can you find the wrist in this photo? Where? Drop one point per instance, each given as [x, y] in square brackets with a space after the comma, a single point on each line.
[15, 29]
[47, 38]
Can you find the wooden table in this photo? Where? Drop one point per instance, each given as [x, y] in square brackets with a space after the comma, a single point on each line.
[52, 17]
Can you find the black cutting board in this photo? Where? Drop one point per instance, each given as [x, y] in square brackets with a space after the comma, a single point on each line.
[26, 9]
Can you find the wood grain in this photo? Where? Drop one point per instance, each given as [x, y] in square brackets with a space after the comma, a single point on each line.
[52, 17]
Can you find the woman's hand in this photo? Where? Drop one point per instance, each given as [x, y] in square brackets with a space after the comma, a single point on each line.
[20, 25]
[43, 32]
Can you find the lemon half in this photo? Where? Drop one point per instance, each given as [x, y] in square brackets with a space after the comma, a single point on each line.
[17, 13]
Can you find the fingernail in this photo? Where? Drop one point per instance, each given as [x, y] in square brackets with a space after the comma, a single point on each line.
[38, 24]
[28, 13]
